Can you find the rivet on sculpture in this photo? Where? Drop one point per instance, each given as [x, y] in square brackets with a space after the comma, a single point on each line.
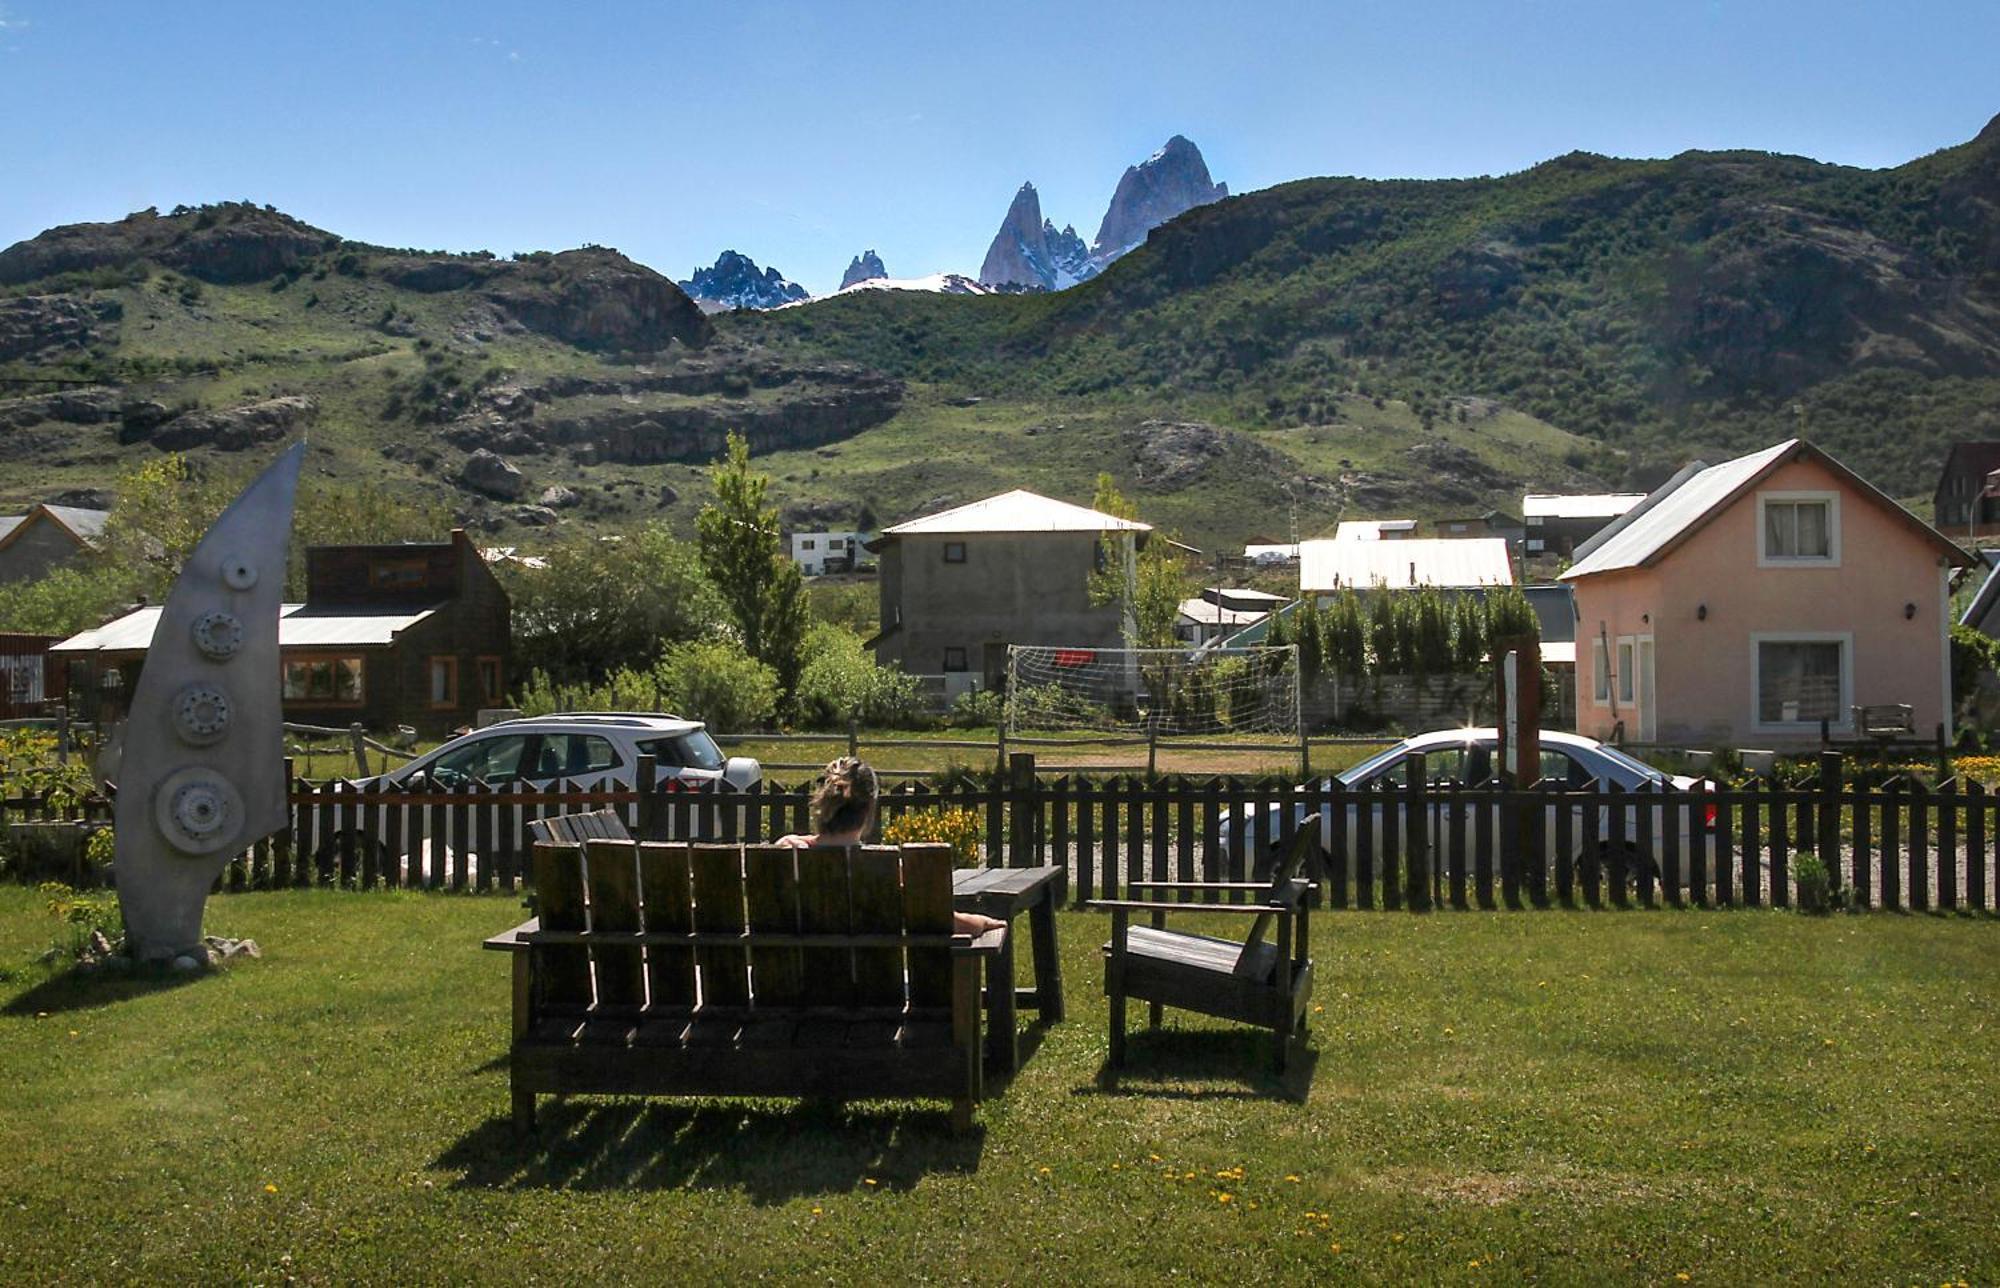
[202, 774]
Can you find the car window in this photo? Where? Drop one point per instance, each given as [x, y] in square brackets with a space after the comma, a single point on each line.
[1561, 767]
[493, 760]
[698, 751]
[1639, 768]
[570, 755]
[666, 752]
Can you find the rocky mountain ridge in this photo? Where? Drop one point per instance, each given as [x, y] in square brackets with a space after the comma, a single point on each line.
[864, 267]
[735, 282]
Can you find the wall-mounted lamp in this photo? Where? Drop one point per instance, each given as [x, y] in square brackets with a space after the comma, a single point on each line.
[1647, 618]
[1909, 612]
[1701, 612]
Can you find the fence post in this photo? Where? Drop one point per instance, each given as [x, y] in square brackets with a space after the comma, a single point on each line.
[853, 738]
[645, 779]
[360, 739]
[1943, 754]
[1023, 807]
[1416, 837]
[1827, 843]
[62, 734]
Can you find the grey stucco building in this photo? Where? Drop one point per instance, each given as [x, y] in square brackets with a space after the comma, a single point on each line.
[961, 585]
[47, 537]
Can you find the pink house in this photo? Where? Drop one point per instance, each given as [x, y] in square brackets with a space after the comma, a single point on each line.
[1743, 603]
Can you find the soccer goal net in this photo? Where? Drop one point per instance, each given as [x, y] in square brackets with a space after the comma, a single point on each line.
[1169, 691]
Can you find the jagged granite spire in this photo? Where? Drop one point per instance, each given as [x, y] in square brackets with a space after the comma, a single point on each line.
[1173, 180]
[862, 268]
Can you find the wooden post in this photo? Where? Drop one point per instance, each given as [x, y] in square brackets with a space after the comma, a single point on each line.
[1943, 755]
[62, 734]
[360, 739]
[853, 738]
[1023, 805]
[1152, 746]
[1827, 842]
[646, 780]
[1416, 837]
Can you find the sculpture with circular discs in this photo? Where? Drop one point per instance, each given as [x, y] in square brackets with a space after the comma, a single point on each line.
[202, 775]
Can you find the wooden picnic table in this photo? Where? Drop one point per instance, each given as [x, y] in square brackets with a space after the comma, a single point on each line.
[1005, 893]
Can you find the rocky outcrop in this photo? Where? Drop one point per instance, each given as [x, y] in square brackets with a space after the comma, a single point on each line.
[37, 328]
[229, 430]
[735, 282]
[485, 472]
[1030, 251]
[1171, 456]
[231, 242]
[1170, 182]
[597, 299]
[90, 406]
[864, 267]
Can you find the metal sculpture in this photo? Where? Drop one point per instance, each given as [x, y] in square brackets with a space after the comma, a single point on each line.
[202, 774]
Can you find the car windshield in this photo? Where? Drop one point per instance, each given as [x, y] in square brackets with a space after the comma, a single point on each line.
[1619, 758]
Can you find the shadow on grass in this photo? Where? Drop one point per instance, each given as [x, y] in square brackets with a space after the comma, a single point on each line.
[74, 990]
[769, 1153]
[1188, 1064]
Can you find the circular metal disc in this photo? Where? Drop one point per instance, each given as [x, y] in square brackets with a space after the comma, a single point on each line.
[198, 811]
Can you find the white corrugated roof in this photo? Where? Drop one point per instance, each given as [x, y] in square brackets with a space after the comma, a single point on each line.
[297, 628]
[1454, 562]
[1597, 505]
[1212, 614]
[1647, 530]
[1372, 529]
[1016, 511]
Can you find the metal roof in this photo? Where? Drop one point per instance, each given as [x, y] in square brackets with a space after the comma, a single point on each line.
[1208, 613]
[1596, 505]
[1448, 562]
[1982, 601]
[1016, 511]
[1372, 529]
[297, 628]
[1677, 508]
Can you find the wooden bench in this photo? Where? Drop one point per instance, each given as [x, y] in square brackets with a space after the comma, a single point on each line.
[589, 825]
[728, 970]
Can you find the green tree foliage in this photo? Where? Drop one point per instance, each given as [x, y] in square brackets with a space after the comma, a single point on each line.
[839, 682]
[65, 601]
[744, 556]
[603, 605]
[1973, 652]
[1344, 635]
[1509, 615]
[715, 682]
[1158, 579]
[1430, 620]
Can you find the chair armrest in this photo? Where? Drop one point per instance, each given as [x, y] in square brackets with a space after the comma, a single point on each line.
[1149, 905]
[513, 941]
[1198, 885]
[983, 945]
[1296, 891]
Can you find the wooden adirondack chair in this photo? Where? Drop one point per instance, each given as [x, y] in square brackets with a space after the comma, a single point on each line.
[1266, 984]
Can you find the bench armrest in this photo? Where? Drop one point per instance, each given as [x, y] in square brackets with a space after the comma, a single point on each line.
[1198, 885]
[512, 941]
[985, 945]
[1155, 905]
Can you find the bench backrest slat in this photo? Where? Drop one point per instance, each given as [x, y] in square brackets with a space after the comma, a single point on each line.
[612, 874]
[564, 974]
[663, 884]
[875, 902]
[771, 895]
[927, 871]
[829, 972]
[718, 906]
[589, 825]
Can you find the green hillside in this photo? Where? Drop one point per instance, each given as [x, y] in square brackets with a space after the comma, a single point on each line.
[1266, 364]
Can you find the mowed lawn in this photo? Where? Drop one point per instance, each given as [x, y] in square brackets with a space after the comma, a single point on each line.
[1566, 1097]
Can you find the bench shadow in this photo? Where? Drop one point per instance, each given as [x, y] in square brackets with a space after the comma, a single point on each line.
[75, 990]
[1188, 1064]
[767, 1151]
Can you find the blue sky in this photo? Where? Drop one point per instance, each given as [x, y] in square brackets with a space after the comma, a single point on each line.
[802, 133]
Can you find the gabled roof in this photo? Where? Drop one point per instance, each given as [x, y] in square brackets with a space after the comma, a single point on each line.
[1447, 562]
[1016, 511]
[1595, 505]
[85, 526]
[1373, 529]
[1978, 459]
[1686, 502]
[298, 627]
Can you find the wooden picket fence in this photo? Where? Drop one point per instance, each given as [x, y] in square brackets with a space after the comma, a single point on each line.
[1423, 844]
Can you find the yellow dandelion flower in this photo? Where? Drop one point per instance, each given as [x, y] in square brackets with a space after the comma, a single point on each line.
[1253, 1205]
[1154, 1158]
[1224, 1197]
[1292, 1178]
[1396, 1238]
[1336, 1249]
[1683, 1276]
[270, 1189]
[1041, 1171]
[1117, 1166]
[1188, 1177]
[817, 1211]
[1829, 1041]
[73, 1033]
[1472, 1265]
[1447, 1030]
[868, 1180]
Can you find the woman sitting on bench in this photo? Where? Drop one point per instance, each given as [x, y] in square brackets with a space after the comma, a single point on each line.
[844, 813]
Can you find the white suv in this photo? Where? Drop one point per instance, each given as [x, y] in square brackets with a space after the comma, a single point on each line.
[590, 750]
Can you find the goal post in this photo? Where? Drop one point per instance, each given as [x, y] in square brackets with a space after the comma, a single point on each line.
[1153, 693]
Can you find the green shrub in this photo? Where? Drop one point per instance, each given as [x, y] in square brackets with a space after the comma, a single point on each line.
[958, 828]
[716, 682]
[840, 682]
[979, 708]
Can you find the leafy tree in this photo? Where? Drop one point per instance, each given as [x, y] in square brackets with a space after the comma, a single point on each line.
[601, 605]
[1509, 615]
[744, 556]
[714, 681]
[1344, 634]
[839, 682]
[1158, 581]
[64, 601]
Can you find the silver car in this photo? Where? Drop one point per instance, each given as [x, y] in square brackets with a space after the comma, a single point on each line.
[1569, 761]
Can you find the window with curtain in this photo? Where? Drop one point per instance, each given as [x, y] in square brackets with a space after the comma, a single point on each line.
[1798, 529]
[1798, 681]
[1601, 670]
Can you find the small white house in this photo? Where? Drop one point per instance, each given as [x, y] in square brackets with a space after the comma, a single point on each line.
[1219, 612]
[819, 553]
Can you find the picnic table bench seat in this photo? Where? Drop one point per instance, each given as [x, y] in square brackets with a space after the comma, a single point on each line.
[732, 970]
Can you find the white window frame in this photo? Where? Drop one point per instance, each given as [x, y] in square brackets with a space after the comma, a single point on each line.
[1832, 557]
[1625, 678]
[1600, 673]
[1845, 723]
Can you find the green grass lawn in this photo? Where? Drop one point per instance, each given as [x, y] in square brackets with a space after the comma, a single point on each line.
[1573, 1097]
